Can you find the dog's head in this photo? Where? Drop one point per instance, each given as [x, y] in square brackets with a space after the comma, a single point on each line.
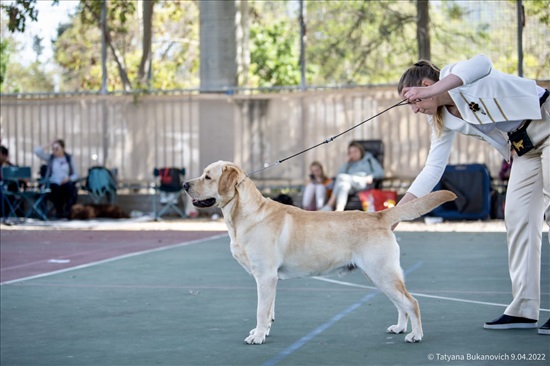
[216, 186]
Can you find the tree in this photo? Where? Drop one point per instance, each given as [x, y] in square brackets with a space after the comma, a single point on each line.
[37, 46]
[423, 29]
[18, 11]
[359, 42]
[174, 52]
[274, 61]
[16, 77]
[4, 60]
[117, 14]
[28, 79]
[537, 52]
[540, 9]
[147, 38]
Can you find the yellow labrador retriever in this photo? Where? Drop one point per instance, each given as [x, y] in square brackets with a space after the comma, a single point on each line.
[274, 241]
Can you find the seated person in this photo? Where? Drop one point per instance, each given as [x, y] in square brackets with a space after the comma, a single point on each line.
[355, 175]
[4, 158]
[62, 175]
[12, 186]
[316, 191]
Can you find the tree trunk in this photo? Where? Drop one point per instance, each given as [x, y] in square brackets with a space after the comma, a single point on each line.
[423, 29]
[119, 60]
[147, 39]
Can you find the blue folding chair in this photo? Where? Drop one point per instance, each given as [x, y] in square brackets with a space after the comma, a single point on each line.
[100, 185]
[15, 196]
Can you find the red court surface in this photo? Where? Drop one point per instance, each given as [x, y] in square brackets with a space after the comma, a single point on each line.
[26, 253]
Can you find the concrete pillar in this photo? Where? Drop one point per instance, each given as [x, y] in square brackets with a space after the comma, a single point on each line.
[216, 131]
[218, 73]
[218, 45]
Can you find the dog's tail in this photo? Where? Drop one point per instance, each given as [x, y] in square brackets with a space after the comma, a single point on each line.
[416, 208]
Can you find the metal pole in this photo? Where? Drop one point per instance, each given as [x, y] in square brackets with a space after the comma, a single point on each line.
[104, 110]
[103, 47]
[521, 24]
[302, 47]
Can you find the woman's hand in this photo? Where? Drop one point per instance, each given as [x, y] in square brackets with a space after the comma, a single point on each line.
[431, 88]
[415, 94]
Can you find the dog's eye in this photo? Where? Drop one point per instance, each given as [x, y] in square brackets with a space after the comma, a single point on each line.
[207, 177]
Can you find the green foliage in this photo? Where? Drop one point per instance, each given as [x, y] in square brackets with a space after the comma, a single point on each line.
[175, 49]
[77, 50]
[4, 60]
[540, 9]
[119, 12]
[347, 42]
[274, 58]
[17, 12]
[27, 79]
[359, 42]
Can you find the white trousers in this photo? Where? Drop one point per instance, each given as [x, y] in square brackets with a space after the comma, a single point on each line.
[315, 196]
[527, 202]
[346, 184]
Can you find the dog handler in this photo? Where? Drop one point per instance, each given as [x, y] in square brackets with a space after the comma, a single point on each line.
[508, 112]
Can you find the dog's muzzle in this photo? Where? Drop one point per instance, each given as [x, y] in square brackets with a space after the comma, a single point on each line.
[209, 202]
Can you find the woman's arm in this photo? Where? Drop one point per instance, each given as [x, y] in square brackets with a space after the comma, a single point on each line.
[41, 152]
[452, 76]
[377, 171]
[413, 94]
[74, 176]
[438, 156]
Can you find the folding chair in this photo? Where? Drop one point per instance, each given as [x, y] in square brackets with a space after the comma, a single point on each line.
[169, 182]
[15, 197]
[11, 197]
[100, 184]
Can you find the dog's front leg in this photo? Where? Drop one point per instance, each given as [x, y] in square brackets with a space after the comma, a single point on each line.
[266, 286]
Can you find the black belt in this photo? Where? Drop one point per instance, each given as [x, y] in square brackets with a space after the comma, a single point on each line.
[519, 139]
[544, 97]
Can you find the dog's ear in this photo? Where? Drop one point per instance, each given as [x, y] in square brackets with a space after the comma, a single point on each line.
[228, 179]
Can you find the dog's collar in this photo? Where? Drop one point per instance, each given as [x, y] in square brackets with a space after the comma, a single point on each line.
[231, 199]
[242, 180]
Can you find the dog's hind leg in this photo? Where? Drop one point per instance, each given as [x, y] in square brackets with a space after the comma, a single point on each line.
[386, 274]
[266, 286]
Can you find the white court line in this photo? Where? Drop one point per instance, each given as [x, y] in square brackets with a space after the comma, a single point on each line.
[343, 283]
[91, 264]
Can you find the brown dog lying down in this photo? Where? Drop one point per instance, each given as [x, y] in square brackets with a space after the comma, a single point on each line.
[84, 212]
[273, 241]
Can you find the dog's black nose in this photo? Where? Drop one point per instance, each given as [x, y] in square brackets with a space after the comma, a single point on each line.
[186, 186]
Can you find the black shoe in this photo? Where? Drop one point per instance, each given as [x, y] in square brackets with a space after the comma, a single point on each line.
[545, 329]
[511, 322]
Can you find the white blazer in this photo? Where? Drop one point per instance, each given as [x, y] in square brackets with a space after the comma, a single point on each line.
[486, 96]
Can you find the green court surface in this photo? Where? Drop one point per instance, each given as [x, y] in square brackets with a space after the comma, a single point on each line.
[194, 305]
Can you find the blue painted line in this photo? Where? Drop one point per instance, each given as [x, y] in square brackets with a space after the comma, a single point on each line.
[320, 329]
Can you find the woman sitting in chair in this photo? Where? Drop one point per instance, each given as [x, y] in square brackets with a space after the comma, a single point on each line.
[355, 175]
[61, 174]
[316, 191]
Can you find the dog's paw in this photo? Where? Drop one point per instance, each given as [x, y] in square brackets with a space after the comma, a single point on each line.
[396, 329]
[413, 338]
[252, 331]
[255, 339]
